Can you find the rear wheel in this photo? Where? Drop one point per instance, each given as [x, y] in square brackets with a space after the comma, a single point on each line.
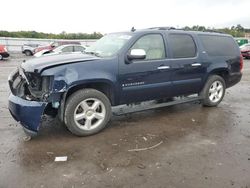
[214, 91]
[1, 57]
[87, 112]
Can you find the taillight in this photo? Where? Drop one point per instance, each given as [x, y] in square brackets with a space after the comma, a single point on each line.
[241, 62]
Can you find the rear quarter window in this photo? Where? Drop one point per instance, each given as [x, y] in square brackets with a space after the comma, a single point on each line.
[219, 45]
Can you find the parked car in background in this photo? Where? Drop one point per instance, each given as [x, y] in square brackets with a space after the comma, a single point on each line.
[245, 50]
[241, 41]
[28, 49]
[69, 48]
[3, 52]
[53, 45]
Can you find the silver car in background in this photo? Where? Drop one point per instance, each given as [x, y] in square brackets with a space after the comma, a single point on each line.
[68, 48]
[28, 49]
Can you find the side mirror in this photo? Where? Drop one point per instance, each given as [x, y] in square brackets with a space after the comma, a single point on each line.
[136, 54]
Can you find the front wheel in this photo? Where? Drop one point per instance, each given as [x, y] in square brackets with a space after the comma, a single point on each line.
[28, 53]
[87, 112]
[1, 57]
[214, 91]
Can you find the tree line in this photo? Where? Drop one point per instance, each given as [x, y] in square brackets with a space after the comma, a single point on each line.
[235, 31]
[41, 35]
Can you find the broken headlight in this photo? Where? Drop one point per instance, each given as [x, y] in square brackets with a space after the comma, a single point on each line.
[39, 86]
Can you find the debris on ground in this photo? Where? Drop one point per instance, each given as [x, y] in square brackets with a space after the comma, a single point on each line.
[62, 158]
[141, 166]
[143, 149]
[27, 138]
[50, 153]
[103, 166]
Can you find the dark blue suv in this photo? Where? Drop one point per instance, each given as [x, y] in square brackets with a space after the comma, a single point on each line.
[123, 68]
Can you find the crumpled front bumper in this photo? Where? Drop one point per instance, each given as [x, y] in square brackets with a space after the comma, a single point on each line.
[28, 113]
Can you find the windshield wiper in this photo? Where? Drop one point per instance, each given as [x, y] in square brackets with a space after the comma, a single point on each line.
[93, 53]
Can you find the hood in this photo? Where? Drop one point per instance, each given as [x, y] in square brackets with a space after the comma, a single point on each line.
[44, 62]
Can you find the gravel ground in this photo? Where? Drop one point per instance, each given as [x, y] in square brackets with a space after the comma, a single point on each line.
[198, 147]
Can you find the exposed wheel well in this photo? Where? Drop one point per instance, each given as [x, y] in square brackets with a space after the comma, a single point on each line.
[102, 87]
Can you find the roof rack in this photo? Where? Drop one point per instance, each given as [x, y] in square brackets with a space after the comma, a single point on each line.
[162, 28]
[173, 28]
[214, 31]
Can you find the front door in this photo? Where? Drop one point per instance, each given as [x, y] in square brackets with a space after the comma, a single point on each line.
[149, 78]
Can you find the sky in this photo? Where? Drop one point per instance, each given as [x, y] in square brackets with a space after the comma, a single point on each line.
[105, 16]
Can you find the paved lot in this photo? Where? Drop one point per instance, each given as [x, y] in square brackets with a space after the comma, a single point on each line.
[201, 147]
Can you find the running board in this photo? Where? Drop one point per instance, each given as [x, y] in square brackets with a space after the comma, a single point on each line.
[124, 109]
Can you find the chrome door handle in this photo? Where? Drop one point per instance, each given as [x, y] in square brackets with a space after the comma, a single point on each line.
[163, 67]
[196, 64]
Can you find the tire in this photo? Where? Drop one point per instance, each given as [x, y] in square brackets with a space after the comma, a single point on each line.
[213, 91]
[1, 57]
[87, 112]
[28, 53]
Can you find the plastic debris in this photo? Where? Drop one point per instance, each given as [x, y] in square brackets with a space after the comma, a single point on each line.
[143, 149]
[63, 158]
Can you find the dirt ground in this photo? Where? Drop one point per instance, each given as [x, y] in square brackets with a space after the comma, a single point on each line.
[199, 147]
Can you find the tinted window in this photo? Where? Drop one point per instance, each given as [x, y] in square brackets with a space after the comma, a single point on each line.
[68, 49]
[153, 45]
[182, 45]
[219, 45]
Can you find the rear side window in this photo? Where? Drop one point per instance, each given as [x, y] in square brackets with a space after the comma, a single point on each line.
[68, 49]
[219, 45]
[78, 49]
[182, 45]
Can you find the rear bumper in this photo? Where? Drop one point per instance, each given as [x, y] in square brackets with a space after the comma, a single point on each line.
[5, 54]
[233, 79]
[28, 113]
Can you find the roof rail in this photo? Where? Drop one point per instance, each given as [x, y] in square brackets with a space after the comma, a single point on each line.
[173, 28]
[162, 28]
[213, 31]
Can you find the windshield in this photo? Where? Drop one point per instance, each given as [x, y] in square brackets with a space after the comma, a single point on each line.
[58, 49]
[108, 45]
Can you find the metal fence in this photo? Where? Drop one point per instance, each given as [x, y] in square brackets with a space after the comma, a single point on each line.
[15, 44]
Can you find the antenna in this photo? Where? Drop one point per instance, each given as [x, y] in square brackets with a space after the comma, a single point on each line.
[133, 29]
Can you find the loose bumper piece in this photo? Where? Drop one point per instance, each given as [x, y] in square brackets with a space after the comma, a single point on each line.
[28, 113]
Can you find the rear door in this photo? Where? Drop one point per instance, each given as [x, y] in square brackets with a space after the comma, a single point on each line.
[187, 65]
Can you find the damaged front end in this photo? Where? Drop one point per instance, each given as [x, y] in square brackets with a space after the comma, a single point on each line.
[28, 98]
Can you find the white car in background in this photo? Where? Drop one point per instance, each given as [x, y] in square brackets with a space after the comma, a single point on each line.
[28, 49]
[68, 48]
